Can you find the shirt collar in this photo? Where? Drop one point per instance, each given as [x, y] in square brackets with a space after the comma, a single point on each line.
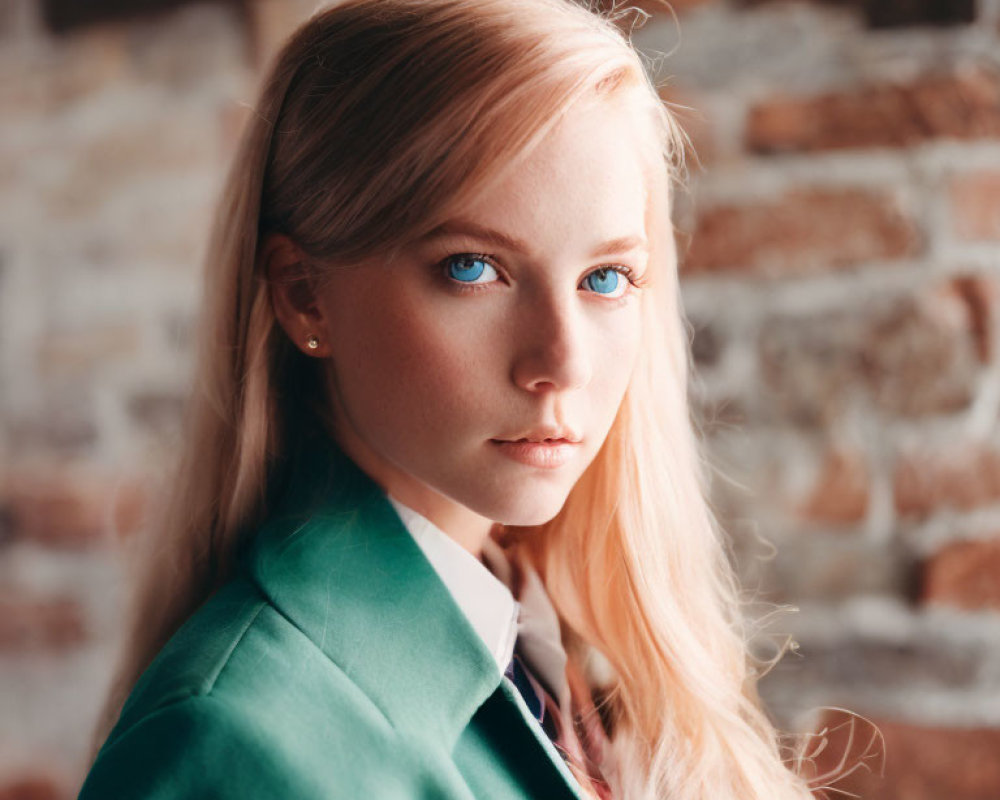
[484, 592]
[484, 599]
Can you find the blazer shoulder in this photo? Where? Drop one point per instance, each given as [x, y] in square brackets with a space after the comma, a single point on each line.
[237, 644]
[197, 653]
[205, 747]
[240, 703]
[192, 747]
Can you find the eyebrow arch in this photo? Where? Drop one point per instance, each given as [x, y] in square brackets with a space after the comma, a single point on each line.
[498, 238]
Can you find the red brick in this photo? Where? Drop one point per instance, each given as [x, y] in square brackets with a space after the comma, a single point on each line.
[802, 232]
[40, 623]
[67, 508]
[840, 496]
[924, 354]
[43, 775]
[962, 105]
[917, 354]
[963, 477]
[910, 761]
[981, 295]
[964, 574]
[695, 122]
[78, 351]
[840, 746]
[31, 787]
[975, 206]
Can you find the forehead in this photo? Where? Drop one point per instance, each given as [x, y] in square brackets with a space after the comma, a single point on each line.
[585, 182]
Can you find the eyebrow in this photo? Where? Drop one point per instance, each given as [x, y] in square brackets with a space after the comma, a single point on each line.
[497, 238]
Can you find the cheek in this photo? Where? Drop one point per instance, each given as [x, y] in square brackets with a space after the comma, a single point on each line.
[402, 367]
[618, 349]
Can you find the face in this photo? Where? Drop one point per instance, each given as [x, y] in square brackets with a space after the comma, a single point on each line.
[519, 318]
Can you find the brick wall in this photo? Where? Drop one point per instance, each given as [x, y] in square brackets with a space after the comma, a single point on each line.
[841, 262]
[841, 243]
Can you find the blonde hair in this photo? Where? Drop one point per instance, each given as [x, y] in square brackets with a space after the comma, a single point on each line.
[377, 119]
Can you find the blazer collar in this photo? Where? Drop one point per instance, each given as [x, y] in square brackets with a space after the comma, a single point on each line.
[487, 601]
[335, 558]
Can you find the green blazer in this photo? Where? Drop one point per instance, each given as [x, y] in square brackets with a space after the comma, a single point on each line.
[334, 664]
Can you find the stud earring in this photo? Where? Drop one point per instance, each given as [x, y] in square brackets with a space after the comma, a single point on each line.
[312, 342]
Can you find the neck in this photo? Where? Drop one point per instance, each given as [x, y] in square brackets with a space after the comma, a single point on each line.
[466, 527]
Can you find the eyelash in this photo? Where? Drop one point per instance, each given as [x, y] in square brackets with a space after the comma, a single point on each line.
[635, 281]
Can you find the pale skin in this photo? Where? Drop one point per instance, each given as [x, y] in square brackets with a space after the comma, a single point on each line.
[431, 357]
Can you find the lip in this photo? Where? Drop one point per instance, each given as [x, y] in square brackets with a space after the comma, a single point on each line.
[548, 454]
[545, 431]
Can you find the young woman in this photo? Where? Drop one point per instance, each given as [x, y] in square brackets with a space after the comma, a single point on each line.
[439, 527]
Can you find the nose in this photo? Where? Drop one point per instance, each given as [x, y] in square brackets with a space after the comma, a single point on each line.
[553, 352]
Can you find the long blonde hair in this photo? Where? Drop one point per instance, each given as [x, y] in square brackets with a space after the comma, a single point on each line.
[377, 119]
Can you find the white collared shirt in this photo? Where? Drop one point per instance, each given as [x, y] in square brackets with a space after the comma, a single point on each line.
[484, 595]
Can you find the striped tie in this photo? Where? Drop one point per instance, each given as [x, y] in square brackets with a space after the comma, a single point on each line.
[582, 761]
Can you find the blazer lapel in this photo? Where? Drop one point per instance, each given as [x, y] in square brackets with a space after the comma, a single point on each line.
[336, 560]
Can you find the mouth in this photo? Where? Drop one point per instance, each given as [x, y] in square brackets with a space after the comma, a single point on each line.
[548, 440]
[549, 433]
[548, 453]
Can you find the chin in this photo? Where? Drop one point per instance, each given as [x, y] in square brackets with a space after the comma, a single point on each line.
[529, 509]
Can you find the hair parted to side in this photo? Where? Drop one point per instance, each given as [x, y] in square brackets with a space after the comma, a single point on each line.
[376, 121]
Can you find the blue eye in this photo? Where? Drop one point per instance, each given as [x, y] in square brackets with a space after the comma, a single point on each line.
[466, 268]
[604, 280]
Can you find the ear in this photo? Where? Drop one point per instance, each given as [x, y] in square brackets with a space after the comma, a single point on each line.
[292, 293]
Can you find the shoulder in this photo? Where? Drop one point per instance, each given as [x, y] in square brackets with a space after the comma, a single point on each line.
[240, 703]
[239, 649]
[186, 748]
